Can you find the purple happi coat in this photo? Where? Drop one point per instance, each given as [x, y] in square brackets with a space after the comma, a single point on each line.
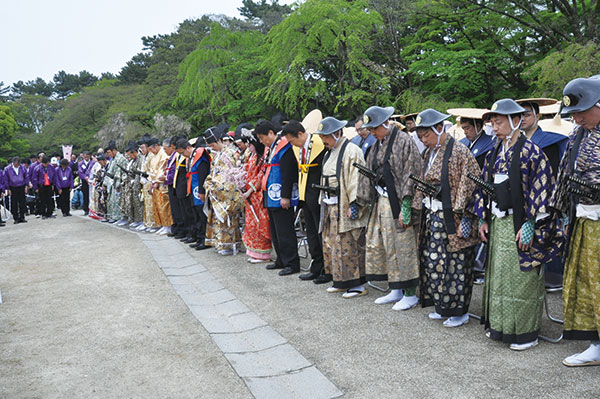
[12, 179]
[63, 178]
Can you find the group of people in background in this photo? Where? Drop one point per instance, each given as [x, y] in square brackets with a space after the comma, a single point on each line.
[406, 204]
[41, 184]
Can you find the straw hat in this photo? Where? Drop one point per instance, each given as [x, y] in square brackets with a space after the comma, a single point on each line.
[455, 130]
[468, 113]
[413, 115]
[539, 101]
[349, 132]
[398, 124]
[551, 109]
[557, 125]
[312, 120]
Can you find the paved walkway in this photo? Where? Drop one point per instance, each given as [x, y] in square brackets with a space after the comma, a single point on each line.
[116, 326]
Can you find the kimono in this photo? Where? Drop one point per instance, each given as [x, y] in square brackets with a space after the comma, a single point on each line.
[225, 201]
[343, 237]
[130, 201]
[447, 240]
[391, 253]
[113, 185]
[581, 284]
[161, 207]
[97, 207]
[146, 196]
[514, 283]
[257, 233]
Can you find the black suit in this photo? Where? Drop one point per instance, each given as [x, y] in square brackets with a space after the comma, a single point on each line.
[281, 221]
[200, 225]
[312, 215]
[185, 201]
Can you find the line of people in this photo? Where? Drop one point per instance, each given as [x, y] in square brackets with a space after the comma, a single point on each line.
[412, 207]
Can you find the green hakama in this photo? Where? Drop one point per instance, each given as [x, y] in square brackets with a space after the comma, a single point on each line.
[512, 298]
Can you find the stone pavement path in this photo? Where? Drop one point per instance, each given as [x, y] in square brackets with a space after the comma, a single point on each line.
[268, 364]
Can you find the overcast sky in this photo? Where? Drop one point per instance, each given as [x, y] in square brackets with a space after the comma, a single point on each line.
[42, 37]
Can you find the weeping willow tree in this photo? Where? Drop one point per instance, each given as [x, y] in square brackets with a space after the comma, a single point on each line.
[321, 56]
[220, 77]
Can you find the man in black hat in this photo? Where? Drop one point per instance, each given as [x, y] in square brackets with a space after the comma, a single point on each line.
[181, 192]
[577, 197]
[177, 229]
[131, 203]
[280, 195]
[113, 182]
[160, 196]
[309, 151]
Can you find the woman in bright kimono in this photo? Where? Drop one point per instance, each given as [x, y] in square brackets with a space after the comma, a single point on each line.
[580, 204]
[257, 234]
[224, 196]
[522, 182]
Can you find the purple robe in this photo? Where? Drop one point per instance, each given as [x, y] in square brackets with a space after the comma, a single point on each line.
[38, 175]
[2, 182]
[84, 170]
[171, 166]
[63, 178]
[537, 183]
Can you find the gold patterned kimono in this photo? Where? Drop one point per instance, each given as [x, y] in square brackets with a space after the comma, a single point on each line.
[343, 237]
[161, 207]
[392, 250]
[447, 260]
[225, 201]
[148, 210]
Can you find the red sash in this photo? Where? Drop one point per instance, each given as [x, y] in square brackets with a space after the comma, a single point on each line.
[282, 143]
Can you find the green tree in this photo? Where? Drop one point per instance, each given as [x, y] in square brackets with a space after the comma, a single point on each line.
[220, 76]
[38, 87]
[10, 146]
[320, 56]
[32, 112]
[462, 52]
[551, 74]
[66, 84]
[264, 14]
[135, 70]
[4, 90]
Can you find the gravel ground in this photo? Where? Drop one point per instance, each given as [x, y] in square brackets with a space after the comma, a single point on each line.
[113, 327]
[87, 313]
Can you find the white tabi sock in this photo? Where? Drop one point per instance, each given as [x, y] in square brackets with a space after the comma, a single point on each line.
[435, 316]
[525, 346]
[349, 294]
[457, 321]
[406, 303]
[393, 296]
[589, 357]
